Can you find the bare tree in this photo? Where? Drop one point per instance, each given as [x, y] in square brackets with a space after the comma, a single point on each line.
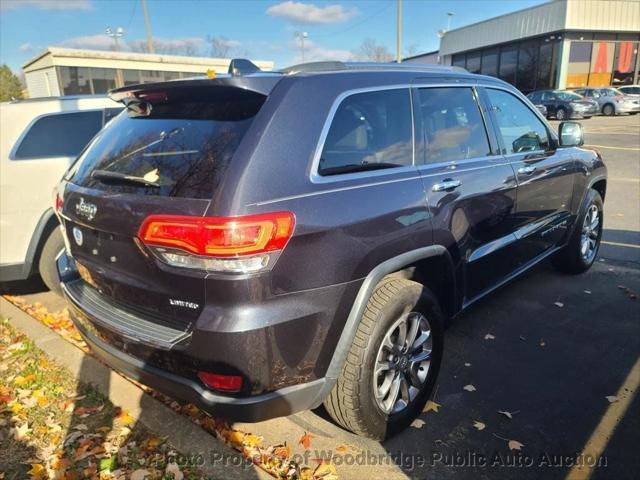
[371, 51]
[219, 47]
[411, 50]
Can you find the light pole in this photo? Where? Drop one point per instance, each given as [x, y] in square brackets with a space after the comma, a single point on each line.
[449, 15]
[119, 32]
[301, 36]
[399, 31]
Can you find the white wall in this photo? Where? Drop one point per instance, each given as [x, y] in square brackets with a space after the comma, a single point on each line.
[43, 83]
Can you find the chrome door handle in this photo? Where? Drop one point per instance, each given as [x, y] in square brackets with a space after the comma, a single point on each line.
[447, 184]
[528, 170]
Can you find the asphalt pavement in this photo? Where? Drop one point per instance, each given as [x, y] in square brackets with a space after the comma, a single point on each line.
[548, 349]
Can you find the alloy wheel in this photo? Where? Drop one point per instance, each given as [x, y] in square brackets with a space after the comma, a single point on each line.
[402, 363]
[560, 114]
[590, 234]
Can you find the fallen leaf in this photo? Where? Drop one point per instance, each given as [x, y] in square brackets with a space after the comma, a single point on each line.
[125, 418]
[325, 471]
[306, 473]
[509, 415]
[612, 398]
[558, 304]
[342, 449]
[21, 432]
[252, 440]
[172, 468]
[515, 445]
[418, 423]
[305, 441]
[431, 406]
[37, 471]
[588, 292]
[543, 343]
[469, 388]
[467, 364]
[479, 425]
[488, 336]
[282, 451]
[139, 474]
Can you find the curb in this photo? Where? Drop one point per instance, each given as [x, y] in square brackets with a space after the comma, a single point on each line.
[187, 437]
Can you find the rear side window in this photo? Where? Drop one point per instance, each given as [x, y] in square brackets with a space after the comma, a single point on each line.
[59, 135]
[452, 124]
[369, 131]
[182, 146]
[521, 129]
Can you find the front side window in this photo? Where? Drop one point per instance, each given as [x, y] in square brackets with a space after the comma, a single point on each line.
[452, 125]
[369, 131]
[59, 135]
[521, 129]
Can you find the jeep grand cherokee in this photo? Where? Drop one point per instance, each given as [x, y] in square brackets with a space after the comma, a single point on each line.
[261, 244]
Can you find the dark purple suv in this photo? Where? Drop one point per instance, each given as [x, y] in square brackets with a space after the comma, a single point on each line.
[261, 244]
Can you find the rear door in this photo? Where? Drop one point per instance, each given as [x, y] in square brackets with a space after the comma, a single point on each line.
[35, 163]
[470, 187]
[544, 174]
[178, 149]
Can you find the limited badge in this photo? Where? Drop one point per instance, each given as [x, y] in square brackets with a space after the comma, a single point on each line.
[77, 236]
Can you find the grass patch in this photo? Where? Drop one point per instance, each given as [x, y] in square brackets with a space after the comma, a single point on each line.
[52, 426]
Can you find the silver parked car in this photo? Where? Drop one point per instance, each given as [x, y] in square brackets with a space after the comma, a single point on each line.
[632, 90]
[611, 100]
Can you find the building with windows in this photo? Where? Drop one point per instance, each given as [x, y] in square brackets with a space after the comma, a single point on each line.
[68, 71]
[558, 44]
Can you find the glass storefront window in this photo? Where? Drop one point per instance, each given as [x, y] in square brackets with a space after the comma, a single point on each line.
[579, 62]
[151, 76]
[171, 75]
[624, 63]
[490, 62]
[546, 66]
[601, 64]
[508, 64]
[131, 77]
[527, 66]
[103, 79]
[473, 62]
[458, 60]
[75, 80]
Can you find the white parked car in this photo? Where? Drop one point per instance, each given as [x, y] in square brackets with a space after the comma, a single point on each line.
[39, 139]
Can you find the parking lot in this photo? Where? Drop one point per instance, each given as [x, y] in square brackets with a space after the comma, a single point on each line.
[545, 351]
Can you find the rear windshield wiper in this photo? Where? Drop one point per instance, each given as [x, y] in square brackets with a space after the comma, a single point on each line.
[117, 177]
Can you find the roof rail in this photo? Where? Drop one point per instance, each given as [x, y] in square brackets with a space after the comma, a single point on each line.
[338, 66]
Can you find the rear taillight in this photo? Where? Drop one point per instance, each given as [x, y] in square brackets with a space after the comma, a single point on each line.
[224, 383]
[228, 244]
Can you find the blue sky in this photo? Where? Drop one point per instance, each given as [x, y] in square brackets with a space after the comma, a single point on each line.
[265, 30]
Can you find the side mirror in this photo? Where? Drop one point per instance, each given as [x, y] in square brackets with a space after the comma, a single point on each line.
[571, 134]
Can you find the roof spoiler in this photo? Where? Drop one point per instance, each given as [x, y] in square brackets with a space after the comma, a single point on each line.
[242, 66]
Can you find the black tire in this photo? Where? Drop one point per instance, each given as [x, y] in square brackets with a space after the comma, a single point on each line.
[561, 114]
[47, 263]
[352, 403]
[608, 110]
[571, 258]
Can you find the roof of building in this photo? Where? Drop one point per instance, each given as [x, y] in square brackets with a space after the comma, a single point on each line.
[116, 56]
[548, 17]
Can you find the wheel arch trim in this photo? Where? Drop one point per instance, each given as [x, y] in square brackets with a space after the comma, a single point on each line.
[366, 290]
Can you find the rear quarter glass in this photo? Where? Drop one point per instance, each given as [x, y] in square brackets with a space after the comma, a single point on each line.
[183, 145]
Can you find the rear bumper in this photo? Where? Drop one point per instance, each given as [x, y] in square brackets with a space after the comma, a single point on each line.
[283, 364]
[248, 409]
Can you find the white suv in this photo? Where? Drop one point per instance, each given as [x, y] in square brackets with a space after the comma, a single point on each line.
[39, 139]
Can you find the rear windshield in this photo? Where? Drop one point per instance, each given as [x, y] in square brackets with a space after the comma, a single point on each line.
[180, 144]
